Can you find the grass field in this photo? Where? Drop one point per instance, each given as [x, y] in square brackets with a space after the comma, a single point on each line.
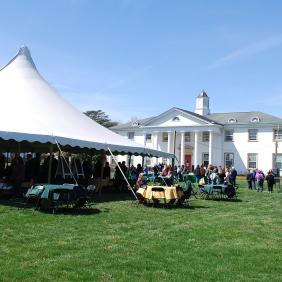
[121, 241]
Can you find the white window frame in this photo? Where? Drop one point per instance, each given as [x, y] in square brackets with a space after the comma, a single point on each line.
[187, 137]
[275, 162]
[252, 161]
[228, 159]
[251, 135]
[131, 135]
[205, 158]
[228, 135]
[165, 137]
[277, 134]
[148, 137]
[205, 136]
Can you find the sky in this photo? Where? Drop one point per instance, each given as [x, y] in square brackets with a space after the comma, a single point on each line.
[138, 58]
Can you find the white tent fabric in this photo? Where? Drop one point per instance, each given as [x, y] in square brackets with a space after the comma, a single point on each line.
[33, 111]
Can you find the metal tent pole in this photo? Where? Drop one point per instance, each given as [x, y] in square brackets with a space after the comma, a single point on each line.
[123, 174]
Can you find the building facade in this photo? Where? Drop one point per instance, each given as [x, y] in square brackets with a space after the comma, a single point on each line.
[245, 140]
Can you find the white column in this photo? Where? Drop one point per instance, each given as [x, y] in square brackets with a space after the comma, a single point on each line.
[156, 140]
[210, 147]
[144, 136]
[182, 148]
[221, 148]
[169, 142]
[156, 145]
[196, 149]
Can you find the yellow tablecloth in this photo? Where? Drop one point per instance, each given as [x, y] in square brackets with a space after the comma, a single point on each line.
[170, 193]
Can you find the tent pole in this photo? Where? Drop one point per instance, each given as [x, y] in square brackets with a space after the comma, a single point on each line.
[67, 163]
[129, 160]
[50, 164]
[143, 157]
[123, 174]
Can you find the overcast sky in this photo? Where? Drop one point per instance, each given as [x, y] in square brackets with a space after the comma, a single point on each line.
[138, 58]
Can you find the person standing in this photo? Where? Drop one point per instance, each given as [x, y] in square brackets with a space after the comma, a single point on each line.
[249, 179]
[233, 175]
[260, 180]
[197, 173]
[17, 174]
[270, 181]
[253, 178]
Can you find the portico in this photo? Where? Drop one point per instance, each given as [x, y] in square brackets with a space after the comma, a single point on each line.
[187, 144]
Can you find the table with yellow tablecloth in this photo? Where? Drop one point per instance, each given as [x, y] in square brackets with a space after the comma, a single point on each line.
[170, 193]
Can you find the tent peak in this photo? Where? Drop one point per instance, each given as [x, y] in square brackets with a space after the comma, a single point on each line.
[23, 52]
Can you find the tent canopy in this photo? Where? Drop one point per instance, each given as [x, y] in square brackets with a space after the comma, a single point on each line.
[34, 115]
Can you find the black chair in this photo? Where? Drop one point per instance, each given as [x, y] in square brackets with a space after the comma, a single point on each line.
[187, 192]
[160, 195]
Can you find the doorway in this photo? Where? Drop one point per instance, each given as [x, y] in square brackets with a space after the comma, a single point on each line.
[188, 162]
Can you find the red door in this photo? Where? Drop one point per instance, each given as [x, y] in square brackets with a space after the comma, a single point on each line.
[188, 163]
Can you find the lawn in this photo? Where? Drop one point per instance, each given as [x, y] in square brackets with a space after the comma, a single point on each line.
[121, 241]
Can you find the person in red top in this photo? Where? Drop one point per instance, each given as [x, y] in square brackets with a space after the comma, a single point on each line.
[141, 181]
[165, 170]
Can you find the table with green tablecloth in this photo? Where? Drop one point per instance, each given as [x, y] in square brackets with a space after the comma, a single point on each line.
[189, 177]
[218, 190]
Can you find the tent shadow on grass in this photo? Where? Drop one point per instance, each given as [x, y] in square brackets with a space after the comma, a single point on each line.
[21, 203]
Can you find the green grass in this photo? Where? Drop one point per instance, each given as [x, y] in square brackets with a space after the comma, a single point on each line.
[121, 241]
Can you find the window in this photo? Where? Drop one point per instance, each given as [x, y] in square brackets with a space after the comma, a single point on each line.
[277, 134]
[205, 136]
[148, 137]
[254, 119]
[252, 160]
[228, 159]
[176, 119]
[232, 120]
[205, 159]
[253, 135]
[165, 137]
[130, 135]
[187, 137]
[228, 135]
[278, 162]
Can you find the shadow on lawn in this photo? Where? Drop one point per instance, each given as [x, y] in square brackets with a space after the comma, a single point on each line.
[174, 207]
[21, 203]
[113, 196]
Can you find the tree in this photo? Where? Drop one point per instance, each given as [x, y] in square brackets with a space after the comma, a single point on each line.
[101, 117]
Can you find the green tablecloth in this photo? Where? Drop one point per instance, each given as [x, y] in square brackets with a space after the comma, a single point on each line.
[189, 177]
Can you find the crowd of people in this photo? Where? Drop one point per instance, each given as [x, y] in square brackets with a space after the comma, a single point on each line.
[34, 169]
[256, 178]
[213, 174]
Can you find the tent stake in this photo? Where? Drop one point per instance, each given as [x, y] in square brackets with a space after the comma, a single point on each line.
[123, 174]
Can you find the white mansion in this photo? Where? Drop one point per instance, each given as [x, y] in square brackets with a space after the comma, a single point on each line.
[241, 139]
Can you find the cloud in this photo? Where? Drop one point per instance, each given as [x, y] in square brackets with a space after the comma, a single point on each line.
[247, 51]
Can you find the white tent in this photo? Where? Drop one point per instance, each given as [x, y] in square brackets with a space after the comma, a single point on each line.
[34, 115]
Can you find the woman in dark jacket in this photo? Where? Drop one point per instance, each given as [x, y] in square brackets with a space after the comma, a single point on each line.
[270, 181]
